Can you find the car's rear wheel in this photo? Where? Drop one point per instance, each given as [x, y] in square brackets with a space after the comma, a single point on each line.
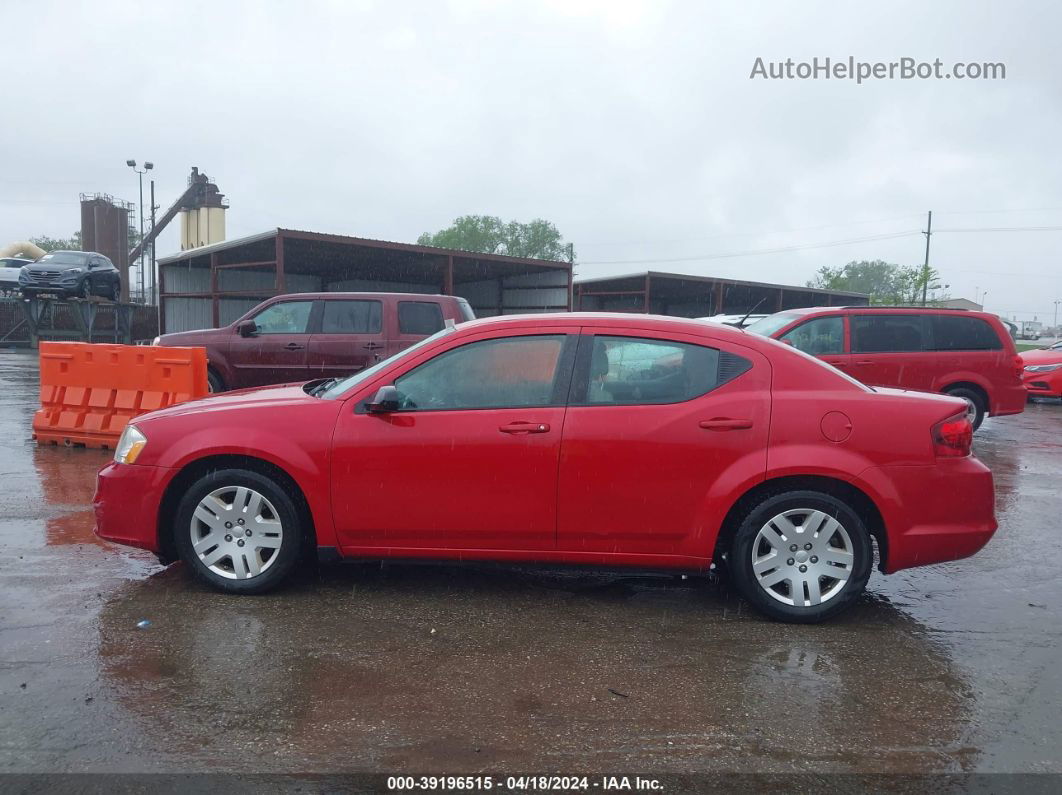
[801, 556]
[975, 404]
[115, 293]
[238, 531]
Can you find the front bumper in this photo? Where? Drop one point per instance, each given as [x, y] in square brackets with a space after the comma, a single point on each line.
[126, 503]
[934, 513]
[1047, 384]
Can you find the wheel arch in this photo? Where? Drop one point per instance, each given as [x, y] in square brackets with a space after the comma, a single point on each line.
[196, 469]
[973, 386]
[853, 496]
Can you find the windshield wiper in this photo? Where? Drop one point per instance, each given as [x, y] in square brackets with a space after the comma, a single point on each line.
[314, 391]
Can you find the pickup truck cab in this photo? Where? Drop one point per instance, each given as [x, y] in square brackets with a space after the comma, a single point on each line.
[303, 336]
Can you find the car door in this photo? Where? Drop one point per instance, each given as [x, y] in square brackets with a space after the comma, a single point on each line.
[275, 352]
[350, 338]
[889, 349]
[470, 461]
[822, 336]
[656, 426]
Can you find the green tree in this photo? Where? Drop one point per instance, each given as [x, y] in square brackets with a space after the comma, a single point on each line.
[489, 234]
[72, 243]
[884, 282]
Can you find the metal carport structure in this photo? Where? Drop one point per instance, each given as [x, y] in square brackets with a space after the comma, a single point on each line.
[683, 295]
[213, 285]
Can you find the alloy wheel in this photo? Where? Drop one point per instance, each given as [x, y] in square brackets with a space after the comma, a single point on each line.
[236, 532]
[802, 557]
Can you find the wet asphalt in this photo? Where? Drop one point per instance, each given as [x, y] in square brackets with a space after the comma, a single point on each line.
[397, 668]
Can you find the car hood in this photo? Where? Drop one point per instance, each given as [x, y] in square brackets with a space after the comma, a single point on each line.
[281, 394]
[44, 266]
[1042, 356]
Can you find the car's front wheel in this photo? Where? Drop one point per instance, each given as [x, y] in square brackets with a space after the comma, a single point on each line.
[801, 556]
[238, 530]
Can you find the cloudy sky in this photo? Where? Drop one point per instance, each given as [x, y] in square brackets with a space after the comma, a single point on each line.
[635, 127]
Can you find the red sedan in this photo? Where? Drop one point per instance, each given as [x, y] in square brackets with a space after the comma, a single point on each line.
[619, 440]
[1043, 371]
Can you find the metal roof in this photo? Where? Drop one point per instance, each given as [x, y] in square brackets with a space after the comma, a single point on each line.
[713, 279]
[298, 234]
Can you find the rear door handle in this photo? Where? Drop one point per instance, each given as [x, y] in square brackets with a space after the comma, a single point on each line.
[525, 427]
[293, 346]
[726, 424]
[837, 363]
[865, 361]
[372, 346]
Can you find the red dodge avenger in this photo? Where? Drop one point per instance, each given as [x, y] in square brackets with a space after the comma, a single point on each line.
[618, 440]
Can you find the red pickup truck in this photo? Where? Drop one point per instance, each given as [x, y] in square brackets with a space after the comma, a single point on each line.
[303, 336]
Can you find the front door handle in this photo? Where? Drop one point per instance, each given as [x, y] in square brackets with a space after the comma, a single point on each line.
[726, 424]
[525, 427]
[372, 346]
[865, 361]
[293, 346]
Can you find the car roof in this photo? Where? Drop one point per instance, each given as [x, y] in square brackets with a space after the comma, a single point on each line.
[606, 320]
[366, 294]
[886, 310]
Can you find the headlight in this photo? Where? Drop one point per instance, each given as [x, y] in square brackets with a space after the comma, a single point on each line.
[72, 271]
[130, 445]
[24, 269]
[156, 341]
[1042, 368]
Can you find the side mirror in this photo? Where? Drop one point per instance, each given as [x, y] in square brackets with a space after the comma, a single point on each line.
[385, 401]
[248, 328]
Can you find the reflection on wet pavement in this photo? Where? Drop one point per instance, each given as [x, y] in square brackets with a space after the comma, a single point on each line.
[433, 668]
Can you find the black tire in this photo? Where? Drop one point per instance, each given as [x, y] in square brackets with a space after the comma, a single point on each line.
[86, 288]
[975, 398]
[115, 293]
[277, 562]
[214, 382]
[740, 558]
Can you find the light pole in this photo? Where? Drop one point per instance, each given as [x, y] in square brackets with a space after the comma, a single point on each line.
[1055, 324]
[147, 167]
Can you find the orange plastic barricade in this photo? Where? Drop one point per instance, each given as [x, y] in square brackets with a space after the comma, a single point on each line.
[89, 392]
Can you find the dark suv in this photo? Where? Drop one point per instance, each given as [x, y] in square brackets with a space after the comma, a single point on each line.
[72, 273]
[305, 336]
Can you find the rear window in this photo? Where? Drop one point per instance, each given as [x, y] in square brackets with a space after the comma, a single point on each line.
[419, 317]
[351, 317]
[887, 333]
[958, 333]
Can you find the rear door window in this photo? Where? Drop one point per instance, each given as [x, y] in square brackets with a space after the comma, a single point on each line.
[959, 333]
[823, 335]
[888, 333]
[419, 317]
[636, 370]
[352, 317]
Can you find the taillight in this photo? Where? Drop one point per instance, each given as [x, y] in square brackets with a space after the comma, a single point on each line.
[1019, 367]
[953, 437]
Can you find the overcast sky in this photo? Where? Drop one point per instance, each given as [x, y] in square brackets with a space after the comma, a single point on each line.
[634, 127]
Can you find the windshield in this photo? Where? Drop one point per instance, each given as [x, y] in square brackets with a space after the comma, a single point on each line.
[339, 387]
[63, 258]
[771, 323]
